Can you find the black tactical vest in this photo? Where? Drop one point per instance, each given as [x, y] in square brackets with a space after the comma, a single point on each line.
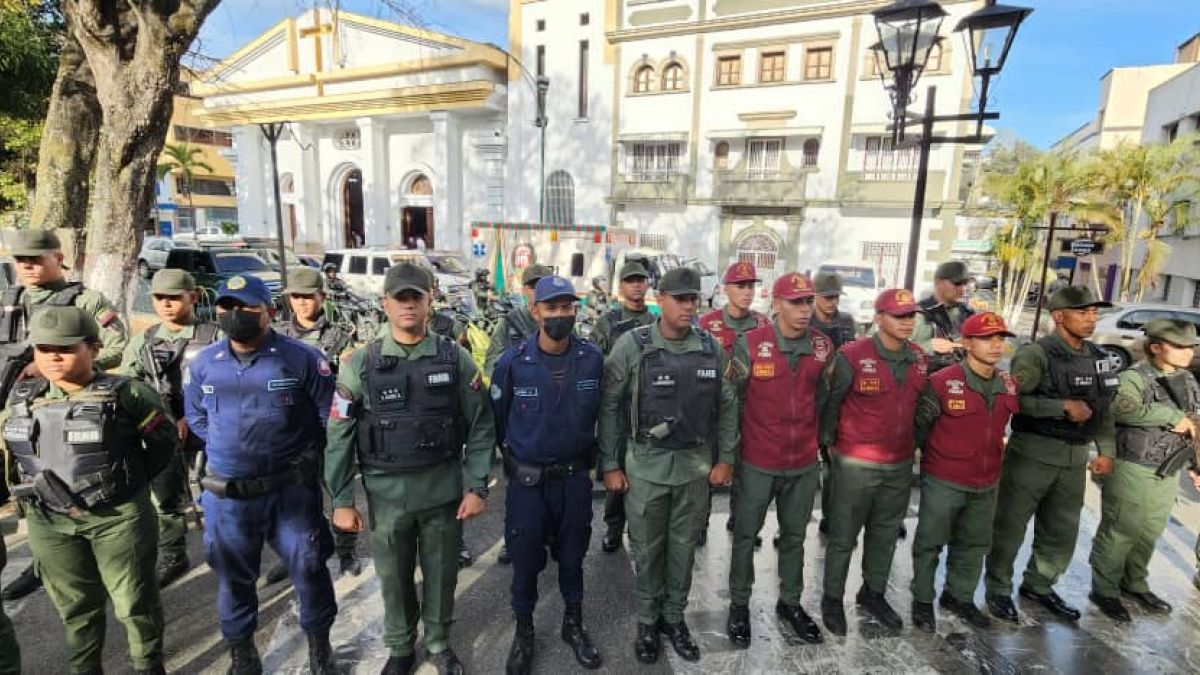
[331, 342]
[414, 420]
[939, 317]
[617, 327]
[516, 334]
[1150, 446]
[15, 354]
[677, 394]
[1089, 377]
[841, 331]
[81, 452]
[166, 360]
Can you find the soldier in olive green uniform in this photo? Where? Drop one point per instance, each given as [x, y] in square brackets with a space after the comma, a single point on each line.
[838, 327]
[682, 438]
[1151, 410]
[406, 404]
[93, 532]
[939, 323]
[308, 323]
[612, 324]
[1066, 385]
[159, 356]
[39, 264]
[518, 324]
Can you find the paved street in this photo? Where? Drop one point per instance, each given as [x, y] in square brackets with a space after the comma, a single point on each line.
[484, 627]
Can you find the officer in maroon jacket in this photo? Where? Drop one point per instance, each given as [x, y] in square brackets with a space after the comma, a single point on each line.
[961, 417]
[780, 370]
[867, 424]
[727, 325]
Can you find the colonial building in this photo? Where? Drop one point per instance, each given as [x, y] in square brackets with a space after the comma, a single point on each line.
[730, 129]
[392, 133]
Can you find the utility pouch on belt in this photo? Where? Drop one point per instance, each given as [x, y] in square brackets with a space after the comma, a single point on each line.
[527, 475]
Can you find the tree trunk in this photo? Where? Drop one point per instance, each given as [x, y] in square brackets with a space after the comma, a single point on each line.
[133, 49]
[67, 151]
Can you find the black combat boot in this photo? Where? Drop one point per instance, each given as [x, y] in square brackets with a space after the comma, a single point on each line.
[320, 653]
[520, 654]
[737, 626]
[25, 583]
[348, 563]
[171, 566]
[833, 613]
[399, 665]
[574, 634]
[243, 658]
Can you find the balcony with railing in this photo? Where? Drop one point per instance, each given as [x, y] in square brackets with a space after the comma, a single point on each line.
[651, 186]
[779, 186]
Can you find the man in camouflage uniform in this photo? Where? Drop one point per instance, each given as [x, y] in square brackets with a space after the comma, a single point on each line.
[939, 323]
[159, 357]
[1154, 411]
[518, 324]
[631, 313]
[309, 324]
[39, 264]
[838, 327]
[1066, 386]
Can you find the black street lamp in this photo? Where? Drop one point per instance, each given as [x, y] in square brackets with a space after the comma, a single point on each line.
[543, 86]
[273, 131]
[908, 31]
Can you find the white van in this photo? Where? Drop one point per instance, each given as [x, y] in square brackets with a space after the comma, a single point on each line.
[363, 270]
[861, 284]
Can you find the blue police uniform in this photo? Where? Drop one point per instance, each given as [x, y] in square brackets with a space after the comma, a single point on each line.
[545, 408]
[259, 418]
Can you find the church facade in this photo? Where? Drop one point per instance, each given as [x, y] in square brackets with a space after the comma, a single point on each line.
[386, 134]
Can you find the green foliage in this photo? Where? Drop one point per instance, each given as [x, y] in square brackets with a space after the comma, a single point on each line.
[182, 161]
[28, 56]
[228, 227]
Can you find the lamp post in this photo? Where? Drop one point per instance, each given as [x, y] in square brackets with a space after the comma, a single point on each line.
[908, 31]
[272, 131]
[543, 86]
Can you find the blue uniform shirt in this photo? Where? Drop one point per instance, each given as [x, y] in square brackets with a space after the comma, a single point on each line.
[257, 417]
[541, 417]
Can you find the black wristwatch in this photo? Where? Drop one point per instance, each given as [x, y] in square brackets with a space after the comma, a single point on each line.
[481, 492]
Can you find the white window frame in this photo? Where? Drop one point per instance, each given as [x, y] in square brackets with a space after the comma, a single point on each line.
[763, 158]
[653, 161]
[882, 161]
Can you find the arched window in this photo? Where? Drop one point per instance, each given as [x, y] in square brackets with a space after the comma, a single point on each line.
[812, 149]
[761, 251]
[560, 198]
[672, 79]
[287, 184]
[642, 79]
[420, 186]
[721, 156]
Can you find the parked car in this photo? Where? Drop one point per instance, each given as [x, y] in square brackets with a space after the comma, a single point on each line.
[709, 281]
[860, 286]
[212, 265]
[1119, 330]
[363, 270]
[153, 256]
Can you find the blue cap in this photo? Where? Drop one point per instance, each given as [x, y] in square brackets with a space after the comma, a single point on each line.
[552, 288]
[247, 290]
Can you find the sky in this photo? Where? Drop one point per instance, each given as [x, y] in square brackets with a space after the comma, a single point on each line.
[1050, 86]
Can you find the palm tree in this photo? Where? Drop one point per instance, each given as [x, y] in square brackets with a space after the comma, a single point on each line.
[182, 161]
[1143, 184]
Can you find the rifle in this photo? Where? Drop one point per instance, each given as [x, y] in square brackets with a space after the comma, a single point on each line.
[1176, 389]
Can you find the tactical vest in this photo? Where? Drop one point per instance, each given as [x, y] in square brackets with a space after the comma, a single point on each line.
[331, 342]
[939, 317]
[618, 327]
[13, 321]
[442, 324]
[841, 331]
[779, 417]
[76, 453]
[714, 322]
[166, 360]
[1150, 446]
[1089, 377]
[876, 420]
[414, 419]
[677, 394]
[966, 444]
[516, 334]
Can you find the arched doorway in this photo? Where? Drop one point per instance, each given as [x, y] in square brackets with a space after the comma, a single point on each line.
[761, 250]
[353, 233]
[416, 217]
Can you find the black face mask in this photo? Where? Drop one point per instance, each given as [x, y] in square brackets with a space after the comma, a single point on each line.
[558, 327]
[239, 326]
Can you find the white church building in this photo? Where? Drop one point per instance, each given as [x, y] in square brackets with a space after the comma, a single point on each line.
[391, 133]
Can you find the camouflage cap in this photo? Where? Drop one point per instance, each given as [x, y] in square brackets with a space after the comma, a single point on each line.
[62, 327]
[535, 273]
[954, 271]
[1074, 297]
[633, 269]
[680, 281]
[407, 276]
[33, 242]
[1175, 331]
[172, 282]
[827, 284]
[304, 280]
